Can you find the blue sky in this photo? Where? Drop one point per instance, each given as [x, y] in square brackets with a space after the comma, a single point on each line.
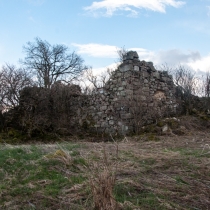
[163, 31]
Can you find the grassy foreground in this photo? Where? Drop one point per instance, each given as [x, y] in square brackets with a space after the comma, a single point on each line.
[172, 172]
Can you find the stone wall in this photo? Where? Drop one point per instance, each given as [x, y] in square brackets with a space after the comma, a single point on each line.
[136, 94]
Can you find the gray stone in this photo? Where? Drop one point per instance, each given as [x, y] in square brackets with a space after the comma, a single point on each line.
[123, 93]
[164, 79]
[165, 128]
[150, 64]
[143, 98]
[133, 80]
[120, 88]
[126, 116]
[111, 122]
[103, 108]
[136, 68]
[156, 75]
[131, 55]
[125, 67]
[124, 83]
[129, 92]
[145, 74]
[146, 89]
[104, 124]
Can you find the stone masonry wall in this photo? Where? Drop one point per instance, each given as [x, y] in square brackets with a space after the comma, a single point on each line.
[136, 94]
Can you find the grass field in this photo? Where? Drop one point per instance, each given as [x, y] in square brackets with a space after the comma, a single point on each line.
[171, 172]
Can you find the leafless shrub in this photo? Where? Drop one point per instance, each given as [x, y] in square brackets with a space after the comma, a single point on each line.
[187, 86]
[94, 80]
[51, 110]
[12, 81]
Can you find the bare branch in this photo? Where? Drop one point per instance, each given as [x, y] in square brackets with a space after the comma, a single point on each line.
[12, 81]
[52, 62]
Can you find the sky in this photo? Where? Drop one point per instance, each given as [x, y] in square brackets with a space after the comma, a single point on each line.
[172, 32]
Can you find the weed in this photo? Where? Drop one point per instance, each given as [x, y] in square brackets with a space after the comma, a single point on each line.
[102, 180]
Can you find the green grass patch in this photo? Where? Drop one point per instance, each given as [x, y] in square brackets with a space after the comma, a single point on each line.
[138, 197]
[198, 153]
[25, 171]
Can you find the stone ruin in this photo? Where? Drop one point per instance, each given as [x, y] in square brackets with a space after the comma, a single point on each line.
[135, 95]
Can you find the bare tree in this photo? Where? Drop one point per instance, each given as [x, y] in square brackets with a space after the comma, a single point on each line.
[207, 84]
[52, 62]
[187, 86]
[91, 82]
[121, 53]
[12, 81]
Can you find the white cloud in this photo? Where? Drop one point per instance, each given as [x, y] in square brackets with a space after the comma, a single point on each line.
[202, 64]
[103, 70]
[97, 50]
[172, 57]
[175, 56]
[112, 6]
[144, 54]
[108, 51]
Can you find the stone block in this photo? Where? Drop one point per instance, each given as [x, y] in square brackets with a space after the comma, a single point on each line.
[129, 92]
[127, 74]
[156, 75]
[97, 126]
[104, 124]
[145, 74]
[146, 89]
[143, 98]
[136, 83]
[119, 74]
[103, 108]
[111, 122]
[126, 116]
[136, 68]
[164, 79]
[120, 88]
[124, 83]
[127, 67]
[123, 93]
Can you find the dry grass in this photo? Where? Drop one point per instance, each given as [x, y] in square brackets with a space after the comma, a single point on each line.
[171, 173]
[102, 178]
